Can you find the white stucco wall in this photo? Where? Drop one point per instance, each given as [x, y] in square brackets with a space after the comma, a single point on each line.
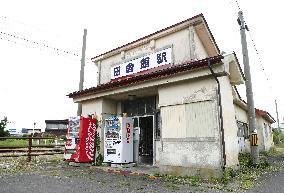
[241, 114]
[190, 130]
[181, 42]
[92, 107]
[229, 123]
[99, 107]
[265, 136]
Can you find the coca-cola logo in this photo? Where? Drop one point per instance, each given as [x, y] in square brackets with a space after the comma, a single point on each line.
[68, 142]
[90, 141]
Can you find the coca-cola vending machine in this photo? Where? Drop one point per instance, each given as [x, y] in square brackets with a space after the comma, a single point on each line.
[80, 140]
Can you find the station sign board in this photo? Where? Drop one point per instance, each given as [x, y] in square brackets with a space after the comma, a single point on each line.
[143, 63]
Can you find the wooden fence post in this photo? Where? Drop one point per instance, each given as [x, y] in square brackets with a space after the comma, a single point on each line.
[30, 148]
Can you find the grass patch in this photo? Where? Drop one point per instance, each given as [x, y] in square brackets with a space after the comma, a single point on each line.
[14, 143]
[24, 142]
[281, 145]
[172, 179]
[273, 152]
[232, 180]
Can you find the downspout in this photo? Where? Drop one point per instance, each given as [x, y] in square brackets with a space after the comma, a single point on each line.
[221, 113]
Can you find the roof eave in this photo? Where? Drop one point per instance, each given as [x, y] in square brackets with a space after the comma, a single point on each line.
[176, 69]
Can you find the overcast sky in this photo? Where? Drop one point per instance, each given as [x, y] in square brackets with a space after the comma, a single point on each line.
[40, 45]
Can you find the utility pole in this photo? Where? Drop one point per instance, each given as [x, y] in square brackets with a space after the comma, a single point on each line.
[249, 93]
[279, 138]
[81, 84]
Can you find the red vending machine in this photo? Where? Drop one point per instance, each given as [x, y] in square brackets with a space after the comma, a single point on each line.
[80, 140]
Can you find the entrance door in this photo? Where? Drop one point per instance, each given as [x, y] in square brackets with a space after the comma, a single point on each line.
[146, 140]
[145, 147]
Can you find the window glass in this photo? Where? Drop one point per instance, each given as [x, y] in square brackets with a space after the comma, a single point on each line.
[158, 126]
[139, 106]
[243, 129]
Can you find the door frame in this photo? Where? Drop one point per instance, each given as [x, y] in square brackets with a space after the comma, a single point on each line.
[154, 136]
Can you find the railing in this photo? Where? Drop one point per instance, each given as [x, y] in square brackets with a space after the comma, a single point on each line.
[45, 149]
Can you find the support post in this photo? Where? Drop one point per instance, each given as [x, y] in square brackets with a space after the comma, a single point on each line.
[79, 111]
[249, 93]
[279, 131]
[30, 143]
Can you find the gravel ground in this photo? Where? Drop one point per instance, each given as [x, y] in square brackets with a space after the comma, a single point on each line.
[84, 180]
[16, 176]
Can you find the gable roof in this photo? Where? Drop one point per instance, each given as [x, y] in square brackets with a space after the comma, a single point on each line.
[191, 21]
[243, 104]
[265, 115]
[170, 70]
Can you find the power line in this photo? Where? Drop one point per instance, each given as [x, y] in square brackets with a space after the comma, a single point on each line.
[29, 26]
[237, 3]
[12, 22]
[255, 48]
[38, 44]
[260, 60]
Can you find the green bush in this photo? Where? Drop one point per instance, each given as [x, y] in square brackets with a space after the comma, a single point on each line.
[245, 160]
[272, 152]
[277, 135]
[99, 159]
[3, 124]
[14, 143]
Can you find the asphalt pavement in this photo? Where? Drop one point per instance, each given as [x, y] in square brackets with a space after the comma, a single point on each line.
[270, 183]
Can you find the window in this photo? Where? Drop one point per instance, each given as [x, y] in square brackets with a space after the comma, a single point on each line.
[243, 129]
[140, 106]
[265, 129]
[158, 126]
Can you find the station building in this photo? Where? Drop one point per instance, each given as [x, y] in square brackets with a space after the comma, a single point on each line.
[181, 93]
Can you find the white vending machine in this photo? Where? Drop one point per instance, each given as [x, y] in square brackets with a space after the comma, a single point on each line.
[118, 142]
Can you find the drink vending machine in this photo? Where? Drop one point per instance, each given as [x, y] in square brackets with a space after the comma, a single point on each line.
[118, 141]
[80, 139]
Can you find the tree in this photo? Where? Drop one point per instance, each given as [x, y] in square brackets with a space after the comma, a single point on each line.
[3, 125]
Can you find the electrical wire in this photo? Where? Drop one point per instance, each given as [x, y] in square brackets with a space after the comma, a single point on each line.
[37, 43]
[10, 22]
[17, 22]
[237, 3]
[40, 46]
[260, 61]
[255, 48]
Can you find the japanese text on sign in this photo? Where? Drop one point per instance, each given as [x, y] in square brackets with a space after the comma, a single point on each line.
[254, 139]
[143, 63]
[127, 132]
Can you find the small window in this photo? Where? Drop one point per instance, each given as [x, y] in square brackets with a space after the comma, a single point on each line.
[158, 126]
[265, 129]
[243, 129]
